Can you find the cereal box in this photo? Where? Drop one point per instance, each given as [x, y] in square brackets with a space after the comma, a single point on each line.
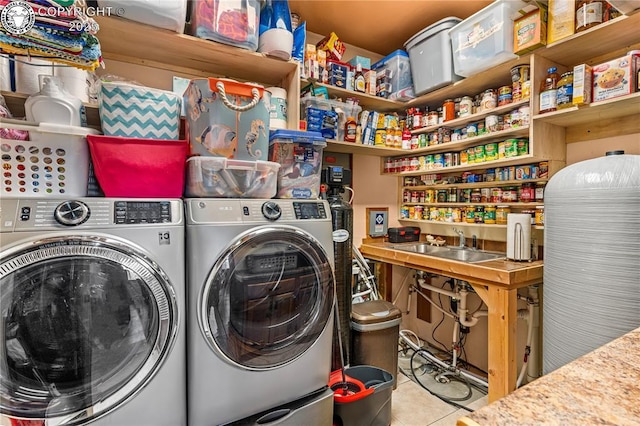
[615, 78]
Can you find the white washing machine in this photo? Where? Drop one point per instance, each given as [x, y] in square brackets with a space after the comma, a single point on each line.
[92, 326]
[260, 291]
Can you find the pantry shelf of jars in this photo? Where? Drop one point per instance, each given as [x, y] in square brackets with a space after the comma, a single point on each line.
[493, 155]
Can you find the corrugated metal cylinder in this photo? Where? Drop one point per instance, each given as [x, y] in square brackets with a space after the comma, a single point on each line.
[591, 291]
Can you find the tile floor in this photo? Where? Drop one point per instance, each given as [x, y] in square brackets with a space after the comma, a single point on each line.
[412, 405]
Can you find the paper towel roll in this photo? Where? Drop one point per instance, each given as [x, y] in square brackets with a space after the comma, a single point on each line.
[519, 236]
[27, 72]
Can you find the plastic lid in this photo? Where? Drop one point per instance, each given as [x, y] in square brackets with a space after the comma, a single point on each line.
[296, 136]
[443, 24]
[390, 56]
[552, 69]
[374, 311]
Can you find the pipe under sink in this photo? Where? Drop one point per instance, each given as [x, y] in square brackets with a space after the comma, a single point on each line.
[461, 254]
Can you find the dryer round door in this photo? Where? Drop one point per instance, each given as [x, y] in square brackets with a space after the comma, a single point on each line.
[85, 323]
[268, 297]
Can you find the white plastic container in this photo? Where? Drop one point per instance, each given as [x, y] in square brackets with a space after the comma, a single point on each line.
[56, 158]
[53, 104]
[168, 14]
[278, 108]
[485, 39]
[431, 57]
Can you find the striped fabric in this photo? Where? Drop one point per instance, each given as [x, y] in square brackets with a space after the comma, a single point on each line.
[138, 111]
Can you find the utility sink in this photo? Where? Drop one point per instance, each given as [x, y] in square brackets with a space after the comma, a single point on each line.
[449, 252]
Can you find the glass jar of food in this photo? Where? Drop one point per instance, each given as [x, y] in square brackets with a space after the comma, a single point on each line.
[490, 214]
[501, 214]
[476, 195]
[466, 106]
[449, 110]
[470, 214]
[489, 99]
[589, 13]
[509, 194]
[539, 215]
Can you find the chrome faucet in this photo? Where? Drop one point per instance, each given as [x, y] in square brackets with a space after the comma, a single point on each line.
[460, 233]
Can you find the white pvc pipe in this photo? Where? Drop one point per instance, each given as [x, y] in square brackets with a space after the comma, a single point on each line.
[529, 337]
[450, 315]
[422, 284]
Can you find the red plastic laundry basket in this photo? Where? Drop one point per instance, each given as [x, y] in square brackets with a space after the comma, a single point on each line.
[145, 168]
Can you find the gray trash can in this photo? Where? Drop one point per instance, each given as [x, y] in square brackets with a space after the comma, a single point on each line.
[375, 326]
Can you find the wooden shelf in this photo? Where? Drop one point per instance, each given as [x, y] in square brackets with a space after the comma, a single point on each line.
[461, 122]
[474, 141]
[368, 102]
[500, 75]
[456, 224]
[590, 46]
[521, 159]
[605, 110]
[141, 44]
[15, 102]
[492, 184]
[501, 203]
[358, 148]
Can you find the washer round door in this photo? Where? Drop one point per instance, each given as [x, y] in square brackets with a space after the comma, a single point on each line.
[267, 298]
[85, 323]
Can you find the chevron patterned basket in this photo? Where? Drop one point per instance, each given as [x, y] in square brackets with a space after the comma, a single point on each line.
[138, 111]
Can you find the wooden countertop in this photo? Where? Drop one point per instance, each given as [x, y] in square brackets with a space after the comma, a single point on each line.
[499, 272]
[600, 387]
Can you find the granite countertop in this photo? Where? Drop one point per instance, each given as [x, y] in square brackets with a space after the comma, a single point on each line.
[601, 387]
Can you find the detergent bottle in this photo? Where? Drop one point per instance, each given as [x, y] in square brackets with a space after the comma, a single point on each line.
[53, 104]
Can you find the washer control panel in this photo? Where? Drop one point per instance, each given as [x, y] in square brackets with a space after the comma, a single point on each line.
[142, 212]
[309, 210]
[86, 213]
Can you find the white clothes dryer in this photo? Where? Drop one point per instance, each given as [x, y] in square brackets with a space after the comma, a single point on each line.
[260, 291]
[92, 327]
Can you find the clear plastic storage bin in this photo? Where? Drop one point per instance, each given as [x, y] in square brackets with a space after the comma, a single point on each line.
[485, 39]
[431, 57]
[332, 123]
[300, 157]
[398, 68]
[220, 177]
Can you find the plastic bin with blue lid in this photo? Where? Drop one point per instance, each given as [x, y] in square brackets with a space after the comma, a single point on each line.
[398, 69]
[300, 157]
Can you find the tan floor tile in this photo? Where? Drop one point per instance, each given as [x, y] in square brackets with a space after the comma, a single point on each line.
[413, 406]
[451, 419]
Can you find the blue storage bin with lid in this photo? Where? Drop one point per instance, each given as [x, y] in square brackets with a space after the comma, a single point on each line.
[300, 157]
[398, 70]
